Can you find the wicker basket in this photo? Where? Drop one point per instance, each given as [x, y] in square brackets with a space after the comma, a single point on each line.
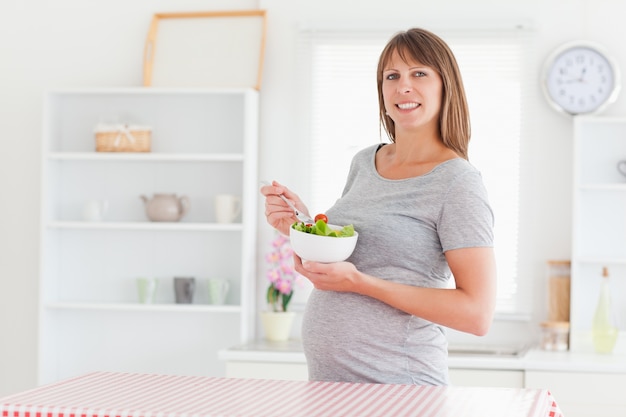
[122, 138]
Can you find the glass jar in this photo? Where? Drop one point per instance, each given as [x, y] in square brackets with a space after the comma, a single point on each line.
[559, 290]
[555, 336]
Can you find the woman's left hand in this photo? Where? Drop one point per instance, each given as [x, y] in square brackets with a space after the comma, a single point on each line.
[337, 276]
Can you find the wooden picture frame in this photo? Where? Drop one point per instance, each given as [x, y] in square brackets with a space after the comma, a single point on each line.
[205, 49]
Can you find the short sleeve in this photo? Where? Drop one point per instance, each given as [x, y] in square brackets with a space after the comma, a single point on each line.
[466, 219]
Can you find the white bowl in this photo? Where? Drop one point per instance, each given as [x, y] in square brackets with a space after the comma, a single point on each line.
[325, 249]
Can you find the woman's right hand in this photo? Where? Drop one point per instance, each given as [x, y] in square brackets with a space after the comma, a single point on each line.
[278, 214]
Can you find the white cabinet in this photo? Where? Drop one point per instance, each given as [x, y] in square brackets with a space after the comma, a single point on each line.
[204, 143]
[262, 359]
[599, 222]
[267, 370]
[503, 378]
[581, 394]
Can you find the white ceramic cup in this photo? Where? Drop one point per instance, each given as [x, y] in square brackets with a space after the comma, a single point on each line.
[94, 210]
[621, 167]
[227, 208]
[218, 289]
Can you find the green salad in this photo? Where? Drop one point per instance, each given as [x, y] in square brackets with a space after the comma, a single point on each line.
[322, 229]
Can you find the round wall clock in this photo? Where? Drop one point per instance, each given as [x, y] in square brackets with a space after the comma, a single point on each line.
[580, 78]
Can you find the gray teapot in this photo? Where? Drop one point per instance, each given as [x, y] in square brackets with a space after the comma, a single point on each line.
[166, 207]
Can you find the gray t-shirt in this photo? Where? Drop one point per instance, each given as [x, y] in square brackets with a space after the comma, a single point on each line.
[404, 226]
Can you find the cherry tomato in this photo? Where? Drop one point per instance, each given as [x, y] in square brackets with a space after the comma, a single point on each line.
[322, 217]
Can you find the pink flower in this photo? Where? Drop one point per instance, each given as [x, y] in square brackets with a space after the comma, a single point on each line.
[272, 257]
[286, 252]
[284, 286]
[281, 273]
[273, 275]
[287, 269]
[280, 241]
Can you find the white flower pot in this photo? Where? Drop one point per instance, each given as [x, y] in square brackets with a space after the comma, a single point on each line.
[277, 325]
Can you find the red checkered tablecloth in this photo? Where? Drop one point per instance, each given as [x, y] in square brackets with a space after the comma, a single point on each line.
[113, 394]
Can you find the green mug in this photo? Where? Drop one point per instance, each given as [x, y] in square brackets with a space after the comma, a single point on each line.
[146, 288]
[218, 290]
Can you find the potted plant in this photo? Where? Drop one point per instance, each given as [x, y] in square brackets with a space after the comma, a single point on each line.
[282, 279]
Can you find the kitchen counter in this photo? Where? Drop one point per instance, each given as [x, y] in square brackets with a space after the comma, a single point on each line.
[540, 360]
[116, 394]
[526, 359]
[565, 374]
[289, 351]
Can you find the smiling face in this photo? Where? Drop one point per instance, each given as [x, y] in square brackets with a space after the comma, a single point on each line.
[412, 94]
[435, 92]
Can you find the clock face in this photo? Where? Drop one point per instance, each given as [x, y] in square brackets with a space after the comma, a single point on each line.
[581, 79]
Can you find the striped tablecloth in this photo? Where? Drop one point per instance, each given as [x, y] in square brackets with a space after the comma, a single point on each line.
[113, 394]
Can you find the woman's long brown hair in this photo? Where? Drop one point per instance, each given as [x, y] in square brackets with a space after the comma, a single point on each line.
[430, 50]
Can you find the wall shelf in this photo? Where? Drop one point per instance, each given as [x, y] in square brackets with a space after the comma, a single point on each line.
[154, 226]
[602, 261]
[603, 187]
[174, 308]
[144, 157]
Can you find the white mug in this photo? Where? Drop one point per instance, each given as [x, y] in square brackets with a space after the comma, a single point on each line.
[94, 210]
[227, 208]
[218, 289]
[621, 167]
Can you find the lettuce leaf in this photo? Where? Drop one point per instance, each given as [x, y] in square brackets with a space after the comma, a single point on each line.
[322, 229]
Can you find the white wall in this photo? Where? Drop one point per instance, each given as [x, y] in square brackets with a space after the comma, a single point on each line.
[74, 43]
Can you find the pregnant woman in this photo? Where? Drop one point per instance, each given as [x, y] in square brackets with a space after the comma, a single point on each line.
[424, 260]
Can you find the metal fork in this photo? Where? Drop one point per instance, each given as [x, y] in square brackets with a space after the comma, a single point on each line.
[301, 216]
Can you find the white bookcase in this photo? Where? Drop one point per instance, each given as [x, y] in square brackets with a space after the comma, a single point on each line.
[204, 143]
[599, 223]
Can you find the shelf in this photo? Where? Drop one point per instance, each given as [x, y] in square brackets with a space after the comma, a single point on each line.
[145, 157]
[600, 260]
[175, 308]
[603, 187]
[155, 226]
